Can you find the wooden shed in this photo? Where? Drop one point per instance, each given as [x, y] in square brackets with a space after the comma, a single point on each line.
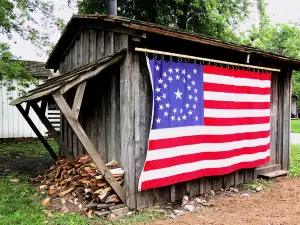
[107, 99]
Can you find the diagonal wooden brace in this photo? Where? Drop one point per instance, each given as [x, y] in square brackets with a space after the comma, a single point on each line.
[35, 129]
[87, 144]
[40, 113]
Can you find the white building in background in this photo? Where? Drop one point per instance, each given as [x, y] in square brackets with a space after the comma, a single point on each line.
[12, 123]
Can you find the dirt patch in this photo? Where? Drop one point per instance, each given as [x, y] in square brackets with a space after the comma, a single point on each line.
[278, 204]
[23, 165]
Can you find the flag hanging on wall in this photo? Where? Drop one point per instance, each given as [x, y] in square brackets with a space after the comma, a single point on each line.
[206, 121]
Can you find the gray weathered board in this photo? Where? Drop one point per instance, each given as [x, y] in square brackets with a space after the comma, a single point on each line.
[117, 104]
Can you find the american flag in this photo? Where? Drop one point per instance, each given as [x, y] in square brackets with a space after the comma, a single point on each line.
[206, 121]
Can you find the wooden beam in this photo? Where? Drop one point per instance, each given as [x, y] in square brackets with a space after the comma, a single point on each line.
[37, 132]
[27, 108]
[87, 144]
[78, 99]
[43, 106]
[52, 131]
[90, 74]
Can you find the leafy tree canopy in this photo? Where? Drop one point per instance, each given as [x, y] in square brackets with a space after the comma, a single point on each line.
[32, 20]
[215, 18]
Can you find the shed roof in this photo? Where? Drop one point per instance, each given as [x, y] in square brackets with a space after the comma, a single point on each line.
[68, 80]
[37, 69]
[78, 22]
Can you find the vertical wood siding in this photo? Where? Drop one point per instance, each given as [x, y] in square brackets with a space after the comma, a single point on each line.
[12, 123]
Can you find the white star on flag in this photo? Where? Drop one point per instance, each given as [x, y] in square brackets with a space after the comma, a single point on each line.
[193, 82]
[170, 70]
[196, 98]
[189, 87]
[157, 89]
[177, 77]
[172, 118]
[164, 95]
[166, 114]
[157, 67]
[160, 81]
[158, 120]
[158, 98]
[161, 107]
[189, 76]
[196, 118]
[190, 97]
[195, 90]
[165, 74]
[181, 111]
[183, 71]
[168, 105]
[178, 94]
[195, 71]
[190, 113]
[187, 105]
[178, 118]
[184, 117]
[170, 79]
[165, 86]
[174, 110]
[184, 81]
[194, 106]
[177, 70]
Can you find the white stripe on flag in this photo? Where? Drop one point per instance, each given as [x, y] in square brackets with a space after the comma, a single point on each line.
[222, 96]
[239, 113]
[219, 79]
[213, 130]
[204, 147]
[190, 167]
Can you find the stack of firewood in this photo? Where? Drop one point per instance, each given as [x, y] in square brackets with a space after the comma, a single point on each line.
[81, 180]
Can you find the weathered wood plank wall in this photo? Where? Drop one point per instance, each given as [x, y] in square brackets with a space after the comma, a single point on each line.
[116, 114]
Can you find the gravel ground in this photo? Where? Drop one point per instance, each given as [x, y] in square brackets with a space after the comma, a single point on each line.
[295, 138]
[279, 204]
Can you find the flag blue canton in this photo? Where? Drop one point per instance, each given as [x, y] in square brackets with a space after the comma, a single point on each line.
[178, 94]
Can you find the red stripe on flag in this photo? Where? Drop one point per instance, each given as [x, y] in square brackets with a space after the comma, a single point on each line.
[198, 157]
[201, 173]
[236, 73]
[199, 139]
[212, 104]
[209, 121]
[235, 89]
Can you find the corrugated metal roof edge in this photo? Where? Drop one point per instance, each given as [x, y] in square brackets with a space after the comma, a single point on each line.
[159, 29]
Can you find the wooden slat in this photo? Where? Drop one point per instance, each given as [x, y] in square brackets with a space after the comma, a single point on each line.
[249, 175]
[85, 47]
[37, 132]
[229, 180]
[81, 135]
[100, 44]
[287, 96]
[127, 124]
[52, 131]
[239, 177]
[274, 118]
[218, 182]
[280, 119]
[78, 99]
[273, 174]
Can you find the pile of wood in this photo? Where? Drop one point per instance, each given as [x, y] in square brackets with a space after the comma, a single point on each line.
[82, 180]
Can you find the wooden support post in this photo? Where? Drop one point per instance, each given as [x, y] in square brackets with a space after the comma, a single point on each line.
[43, 106]
[52, 131]
[36, 131]
[78, 99]
[27, 108]
[87, 144]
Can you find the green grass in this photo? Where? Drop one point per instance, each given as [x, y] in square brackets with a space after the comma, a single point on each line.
[27, 149]
[20, 204]
[294, 170]
[295, 126]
